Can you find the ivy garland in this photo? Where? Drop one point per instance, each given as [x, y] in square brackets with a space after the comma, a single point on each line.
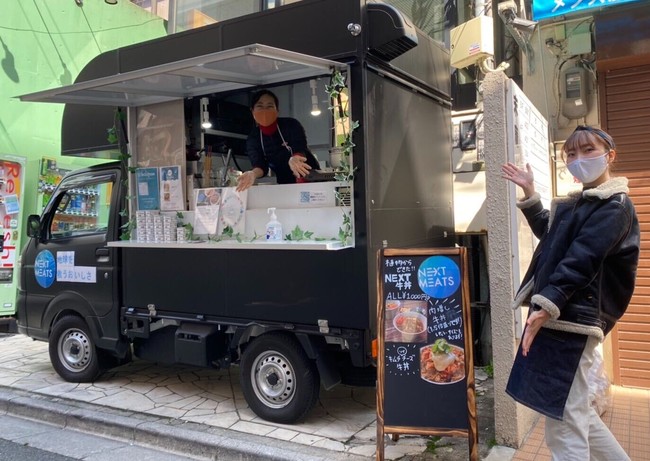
[345, 173]
[112, 136]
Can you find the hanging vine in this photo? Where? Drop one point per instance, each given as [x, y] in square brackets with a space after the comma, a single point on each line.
[113, 137]
[339, 105]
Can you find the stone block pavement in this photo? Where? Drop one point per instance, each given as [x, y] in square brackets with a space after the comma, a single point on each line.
[195, 411]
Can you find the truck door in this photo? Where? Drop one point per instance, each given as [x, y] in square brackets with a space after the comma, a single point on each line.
[69, 267]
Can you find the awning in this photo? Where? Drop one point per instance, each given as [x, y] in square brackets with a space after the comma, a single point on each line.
[247, 66]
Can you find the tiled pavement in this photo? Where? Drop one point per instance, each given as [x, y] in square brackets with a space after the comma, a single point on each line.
[343, 421]
[628, 417]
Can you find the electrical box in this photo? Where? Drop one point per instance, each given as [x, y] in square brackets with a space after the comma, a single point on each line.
[472, 41]
[574, 92]
[579, 44]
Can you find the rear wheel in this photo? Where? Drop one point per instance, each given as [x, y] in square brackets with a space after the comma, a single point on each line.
[278, 380]
[72, 351]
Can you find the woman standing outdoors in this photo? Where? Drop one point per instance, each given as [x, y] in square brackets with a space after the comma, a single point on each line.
[578, 285]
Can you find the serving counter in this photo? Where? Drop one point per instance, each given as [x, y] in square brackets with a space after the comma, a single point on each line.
[234, 245]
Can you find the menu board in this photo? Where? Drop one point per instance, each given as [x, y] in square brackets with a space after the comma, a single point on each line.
[426, 377]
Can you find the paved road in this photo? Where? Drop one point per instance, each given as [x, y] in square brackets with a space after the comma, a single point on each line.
[12, 451]
[27, 440]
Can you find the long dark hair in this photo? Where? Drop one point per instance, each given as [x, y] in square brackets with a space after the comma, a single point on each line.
[259, 94]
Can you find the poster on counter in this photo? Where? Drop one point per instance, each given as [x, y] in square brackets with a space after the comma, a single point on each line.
[233, 210]
[207, 203]
[171, 188]
[148, 194]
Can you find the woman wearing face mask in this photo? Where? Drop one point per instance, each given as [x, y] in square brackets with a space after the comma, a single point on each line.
[276, 143]
[578, 285]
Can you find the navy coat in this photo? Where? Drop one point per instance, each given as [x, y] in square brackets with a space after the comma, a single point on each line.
[583, 274]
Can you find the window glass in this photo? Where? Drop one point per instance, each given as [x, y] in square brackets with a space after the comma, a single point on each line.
[191, 14]
[82, 211]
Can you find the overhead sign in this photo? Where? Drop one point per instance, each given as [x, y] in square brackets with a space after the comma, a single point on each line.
[545, 9]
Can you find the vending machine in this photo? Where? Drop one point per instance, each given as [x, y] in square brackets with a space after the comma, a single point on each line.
[12, 171]
[82, 211]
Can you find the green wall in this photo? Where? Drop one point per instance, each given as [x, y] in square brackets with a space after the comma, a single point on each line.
[45, 44]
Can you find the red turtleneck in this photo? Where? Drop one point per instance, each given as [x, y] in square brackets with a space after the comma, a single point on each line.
[269, 130]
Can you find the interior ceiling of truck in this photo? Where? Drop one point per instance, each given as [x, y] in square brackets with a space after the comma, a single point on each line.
[251, 65]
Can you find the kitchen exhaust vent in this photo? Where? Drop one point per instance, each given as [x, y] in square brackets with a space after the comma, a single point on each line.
[390, 33]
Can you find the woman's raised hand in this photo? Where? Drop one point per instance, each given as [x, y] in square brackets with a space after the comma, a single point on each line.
[523, 179]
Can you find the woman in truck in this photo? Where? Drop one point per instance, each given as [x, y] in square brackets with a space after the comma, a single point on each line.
[276, 143]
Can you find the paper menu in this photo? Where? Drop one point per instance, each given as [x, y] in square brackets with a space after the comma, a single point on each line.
[233, 210]
[148, 195]
[171, 189]
[207, 204]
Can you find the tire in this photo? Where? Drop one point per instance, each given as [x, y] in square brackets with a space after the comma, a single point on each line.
[278, 380]
[72, 351]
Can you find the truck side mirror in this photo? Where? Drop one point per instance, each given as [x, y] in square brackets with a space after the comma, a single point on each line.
[33, 225]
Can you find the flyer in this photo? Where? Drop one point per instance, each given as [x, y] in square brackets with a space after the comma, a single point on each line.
[171, 188]
[207, 203]
[148, 195]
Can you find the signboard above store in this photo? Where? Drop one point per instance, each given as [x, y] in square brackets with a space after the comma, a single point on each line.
[545, 9]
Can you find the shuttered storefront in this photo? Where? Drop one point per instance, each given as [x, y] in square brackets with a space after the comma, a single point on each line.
[625, 113]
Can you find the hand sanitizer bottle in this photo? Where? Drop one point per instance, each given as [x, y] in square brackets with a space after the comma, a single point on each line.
[273, 227]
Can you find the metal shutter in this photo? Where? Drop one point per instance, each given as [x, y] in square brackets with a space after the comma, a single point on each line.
[625, 114]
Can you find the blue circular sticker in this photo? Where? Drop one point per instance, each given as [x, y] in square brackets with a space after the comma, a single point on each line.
[45, 268]
[439, 276]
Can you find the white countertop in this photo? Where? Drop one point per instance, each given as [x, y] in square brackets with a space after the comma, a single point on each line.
[235, 245]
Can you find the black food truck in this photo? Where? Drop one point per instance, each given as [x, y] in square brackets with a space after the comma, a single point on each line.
[294, 314]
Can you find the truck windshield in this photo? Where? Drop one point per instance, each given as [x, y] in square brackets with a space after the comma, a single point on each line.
[82, 211]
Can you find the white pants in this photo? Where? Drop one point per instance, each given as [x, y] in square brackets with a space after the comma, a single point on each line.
[582, 435]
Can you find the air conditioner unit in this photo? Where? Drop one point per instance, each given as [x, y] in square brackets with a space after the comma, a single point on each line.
[472, 41]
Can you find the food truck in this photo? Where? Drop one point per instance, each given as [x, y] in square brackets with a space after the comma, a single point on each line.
[294, 314]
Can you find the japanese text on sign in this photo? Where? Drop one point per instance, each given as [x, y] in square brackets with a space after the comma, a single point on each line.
[544, 9]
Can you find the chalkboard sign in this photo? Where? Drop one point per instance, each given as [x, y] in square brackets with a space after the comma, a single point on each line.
[425, 358]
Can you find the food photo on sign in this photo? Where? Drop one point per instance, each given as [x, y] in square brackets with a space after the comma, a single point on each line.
[442, 363]
[406, 321]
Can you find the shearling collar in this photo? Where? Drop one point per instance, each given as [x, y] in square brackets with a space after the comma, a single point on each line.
[604, 191]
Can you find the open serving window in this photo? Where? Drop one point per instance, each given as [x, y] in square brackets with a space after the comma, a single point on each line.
[162, 182]
[247, 66]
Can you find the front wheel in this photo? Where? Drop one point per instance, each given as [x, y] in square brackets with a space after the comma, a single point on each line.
[278, 380]
[72, 351]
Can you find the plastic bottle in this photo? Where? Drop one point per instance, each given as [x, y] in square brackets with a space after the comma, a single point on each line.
[273, 227]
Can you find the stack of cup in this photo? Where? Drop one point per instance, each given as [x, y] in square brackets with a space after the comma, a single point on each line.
[140, 224]
[169, 228]
[181, 236]
[157, 228]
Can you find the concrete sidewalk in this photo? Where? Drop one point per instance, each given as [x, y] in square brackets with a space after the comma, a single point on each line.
[191, 411]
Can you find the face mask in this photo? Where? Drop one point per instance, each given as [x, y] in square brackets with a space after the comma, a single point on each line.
[265, 117]
[587, 170]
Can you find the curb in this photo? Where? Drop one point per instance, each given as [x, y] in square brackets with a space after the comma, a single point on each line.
[168, 434]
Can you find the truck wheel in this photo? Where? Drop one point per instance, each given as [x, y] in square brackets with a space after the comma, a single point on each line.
[72, 351]
[278, 380]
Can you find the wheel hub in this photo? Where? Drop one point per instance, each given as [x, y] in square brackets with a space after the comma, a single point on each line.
[75, 350]
[273, 380]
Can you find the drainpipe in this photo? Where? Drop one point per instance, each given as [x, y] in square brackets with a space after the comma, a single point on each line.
[171, 17]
